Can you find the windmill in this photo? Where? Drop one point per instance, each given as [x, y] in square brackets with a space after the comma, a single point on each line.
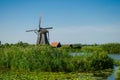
[43, 34]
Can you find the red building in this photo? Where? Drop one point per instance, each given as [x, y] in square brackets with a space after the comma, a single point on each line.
[55, 44]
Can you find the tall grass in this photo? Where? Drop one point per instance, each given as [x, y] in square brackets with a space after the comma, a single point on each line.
[118, 74]
[26, 75]
[110, 48]
[45, 58]
[113, 48]
[91, 49]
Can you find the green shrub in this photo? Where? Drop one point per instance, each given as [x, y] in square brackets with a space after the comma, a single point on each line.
[46, 58]
[91, 49]
[113, 48]
[117, 62]
[100, 61]
[118, 74]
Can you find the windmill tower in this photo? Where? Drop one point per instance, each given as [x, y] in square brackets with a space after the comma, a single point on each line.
[43, 34]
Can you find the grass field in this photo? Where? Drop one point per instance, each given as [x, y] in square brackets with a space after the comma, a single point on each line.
[30, 62]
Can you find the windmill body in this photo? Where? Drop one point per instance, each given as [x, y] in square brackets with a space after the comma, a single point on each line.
[43, 34]
[43, 37]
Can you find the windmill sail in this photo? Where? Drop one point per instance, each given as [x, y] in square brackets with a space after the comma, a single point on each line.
[31, 30]
[43, 34]
[48, 28]
[40, 22]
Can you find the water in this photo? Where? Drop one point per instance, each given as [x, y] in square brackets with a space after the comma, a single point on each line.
[115, 57]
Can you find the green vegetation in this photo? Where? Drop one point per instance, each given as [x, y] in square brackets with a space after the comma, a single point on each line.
[25, 75]
[46, 58]
[91, 49]
[24, 61]
[118, 74]
[111, 48]
[117, 63]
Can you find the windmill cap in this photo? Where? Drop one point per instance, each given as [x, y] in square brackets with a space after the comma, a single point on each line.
[44, 31]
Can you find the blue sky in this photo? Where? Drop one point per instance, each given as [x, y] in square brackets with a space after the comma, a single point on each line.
[73, 21]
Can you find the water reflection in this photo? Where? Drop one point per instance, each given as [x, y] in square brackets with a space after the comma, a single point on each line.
[114, 56]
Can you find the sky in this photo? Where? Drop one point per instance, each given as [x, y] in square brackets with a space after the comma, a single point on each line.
[73, 21]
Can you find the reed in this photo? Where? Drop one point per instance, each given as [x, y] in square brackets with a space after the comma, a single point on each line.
[118, 74]
[111, 48]
[45, 58]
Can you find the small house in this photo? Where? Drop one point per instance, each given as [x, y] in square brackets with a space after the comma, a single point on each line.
[56, 44]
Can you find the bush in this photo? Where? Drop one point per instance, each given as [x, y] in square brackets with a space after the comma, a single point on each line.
[113, 48]
[91, 49]
[118, 74]
[46, 58]
[100, 61]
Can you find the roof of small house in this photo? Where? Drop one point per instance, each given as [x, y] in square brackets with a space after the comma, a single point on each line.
[55, 44]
